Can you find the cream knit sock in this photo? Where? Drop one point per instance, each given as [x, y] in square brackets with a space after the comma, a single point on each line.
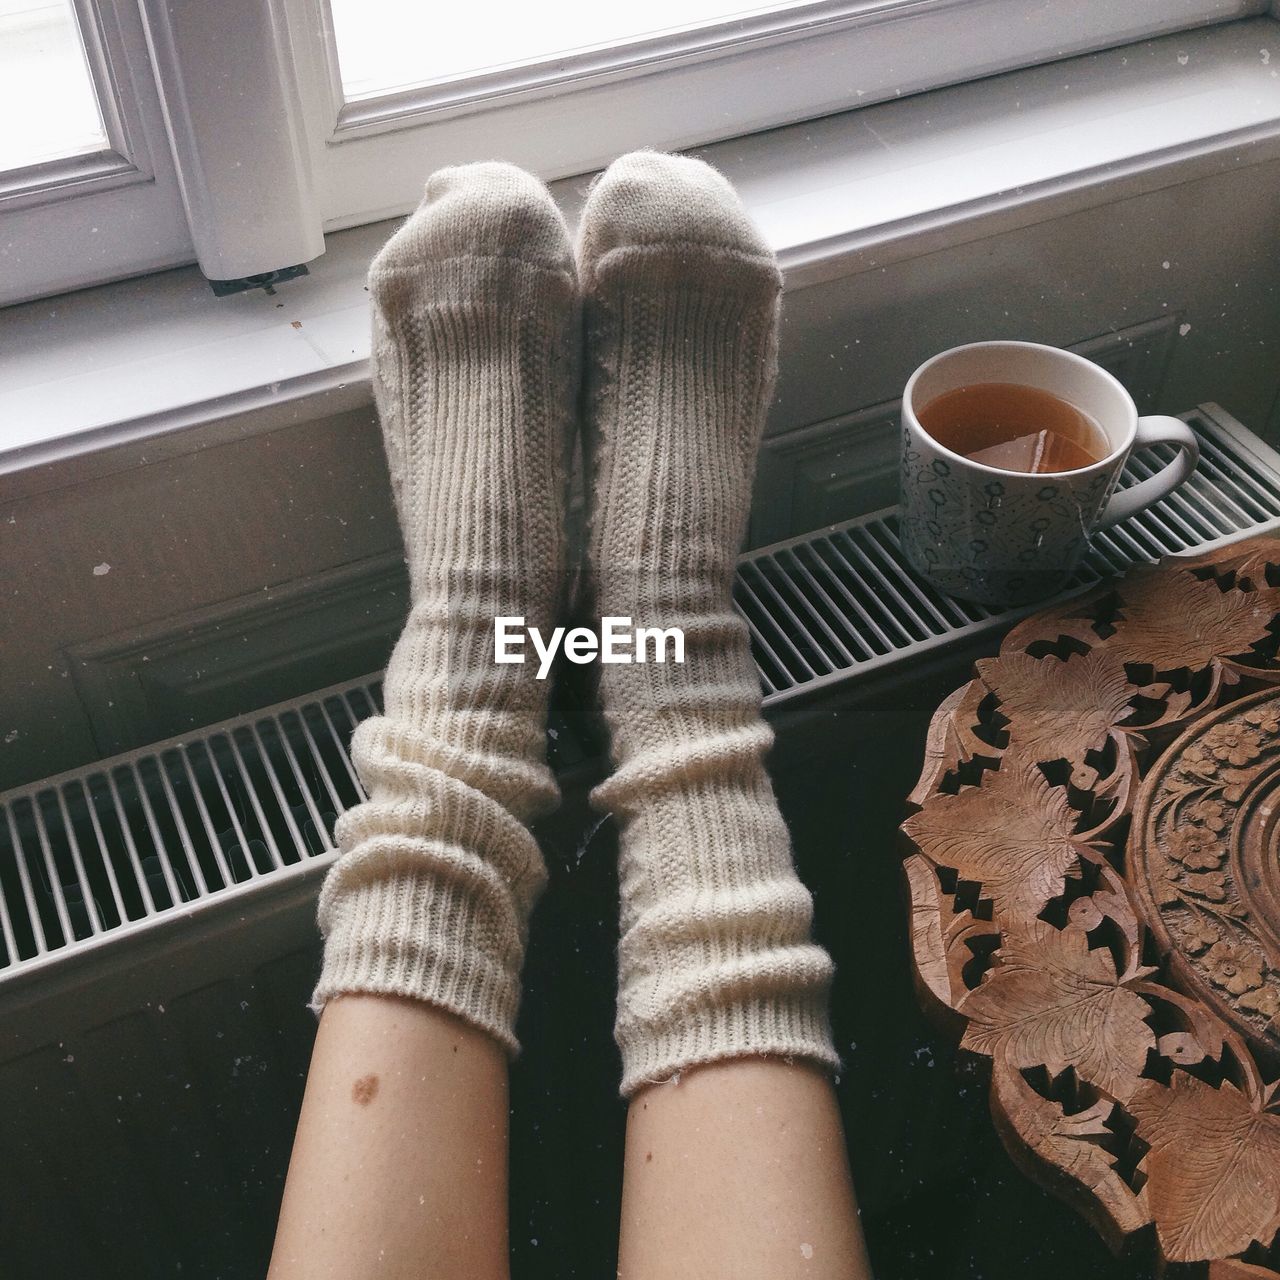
[681, 299]
[475, 372]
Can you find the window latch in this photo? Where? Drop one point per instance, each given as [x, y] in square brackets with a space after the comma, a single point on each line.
[265, 280]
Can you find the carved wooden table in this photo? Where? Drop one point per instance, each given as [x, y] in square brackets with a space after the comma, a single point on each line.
[1094, 875]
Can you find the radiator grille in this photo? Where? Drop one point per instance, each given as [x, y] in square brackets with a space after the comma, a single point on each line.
[152, 831]
[106, 849]
[843, 601]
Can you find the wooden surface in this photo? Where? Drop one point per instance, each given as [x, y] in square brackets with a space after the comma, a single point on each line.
[1095, 902]
[1202, 862]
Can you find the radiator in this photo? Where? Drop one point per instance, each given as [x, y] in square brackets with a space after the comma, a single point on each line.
[157, 937]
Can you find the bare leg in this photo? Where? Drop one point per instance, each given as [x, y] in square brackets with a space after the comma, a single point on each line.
[738, 1171]
[400, 1163]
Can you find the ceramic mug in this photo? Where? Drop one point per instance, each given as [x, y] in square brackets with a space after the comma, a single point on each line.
[1009, 537]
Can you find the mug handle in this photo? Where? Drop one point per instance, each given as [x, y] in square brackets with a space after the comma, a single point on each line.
[1156, 429]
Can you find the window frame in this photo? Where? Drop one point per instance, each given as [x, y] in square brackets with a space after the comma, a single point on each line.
[104, 214]
[240, 155]
[123, 158]
[688, 89]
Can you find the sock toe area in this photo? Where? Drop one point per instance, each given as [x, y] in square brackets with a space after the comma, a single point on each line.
[648, 199]
[485, 210]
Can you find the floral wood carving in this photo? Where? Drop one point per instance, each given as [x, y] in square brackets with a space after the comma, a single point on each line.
[1093, 866]
[1203, 862]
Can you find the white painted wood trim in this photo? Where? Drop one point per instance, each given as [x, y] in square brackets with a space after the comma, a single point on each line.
[177, 367]
[225, 77]
[573, 114]
[114, 213]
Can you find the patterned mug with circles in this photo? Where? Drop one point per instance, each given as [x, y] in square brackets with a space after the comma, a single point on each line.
[1003, 537]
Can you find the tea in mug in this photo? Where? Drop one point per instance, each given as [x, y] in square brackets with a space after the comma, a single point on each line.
[1014, 428]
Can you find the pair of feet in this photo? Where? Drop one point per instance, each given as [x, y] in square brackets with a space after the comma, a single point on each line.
[482, 311]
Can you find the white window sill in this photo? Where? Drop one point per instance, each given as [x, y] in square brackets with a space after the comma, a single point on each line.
[93, 380]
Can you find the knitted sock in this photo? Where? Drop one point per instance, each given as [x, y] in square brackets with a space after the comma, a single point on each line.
[681, 299]
[475, 374]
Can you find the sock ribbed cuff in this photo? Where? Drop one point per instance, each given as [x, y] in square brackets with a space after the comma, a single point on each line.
[380, 942]
[785, 1025]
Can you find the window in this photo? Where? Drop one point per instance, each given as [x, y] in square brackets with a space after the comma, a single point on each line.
[45, 81]
[387, 46]
[575, 91]
[236, 134]
[87, 187]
